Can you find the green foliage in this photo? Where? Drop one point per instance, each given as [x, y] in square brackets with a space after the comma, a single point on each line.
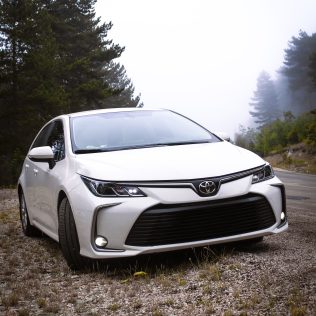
[299, 70]
[294, 91]
[280, 134]
[297, 60]
[122, 87]
[312, 68]
[246, 138]
[264, 101]
[295, 86]
[55, 58]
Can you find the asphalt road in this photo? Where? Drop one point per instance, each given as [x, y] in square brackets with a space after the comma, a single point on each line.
[300, 190]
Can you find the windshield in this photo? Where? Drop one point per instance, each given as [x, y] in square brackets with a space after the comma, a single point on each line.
[135, 129]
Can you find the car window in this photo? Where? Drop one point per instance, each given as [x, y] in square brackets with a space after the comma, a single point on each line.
[41, 139]
[56, 141]
[123, 130]
[52, 135]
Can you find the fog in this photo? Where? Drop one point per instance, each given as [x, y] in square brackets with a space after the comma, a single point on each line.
[202, 57]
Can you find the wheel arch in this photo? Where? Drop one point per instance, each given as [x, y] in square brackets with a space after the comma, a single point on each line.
[61, 196]
[20, 189]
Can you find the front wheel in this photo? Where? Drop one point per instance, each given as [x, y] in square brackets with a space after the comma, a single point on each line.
[28, 229]
[68, 237]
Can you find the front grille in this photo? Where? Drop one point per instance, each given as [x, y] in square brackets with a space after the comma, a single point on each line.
[169, 224]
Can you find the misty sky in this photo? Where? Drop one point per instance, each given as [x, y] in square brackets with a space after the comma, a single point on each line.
[202, 57]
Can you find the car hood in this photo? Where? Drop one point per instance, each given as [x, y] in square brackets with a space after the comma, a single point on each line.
[180, 162]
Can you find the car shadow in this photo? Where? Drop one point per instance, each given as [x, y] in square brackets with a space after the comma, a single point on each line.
[173, 261]
[163, 262]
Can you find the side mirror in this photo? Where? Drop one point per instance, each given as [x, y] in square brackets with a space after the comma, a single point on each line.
[42, 154]
[223, 136]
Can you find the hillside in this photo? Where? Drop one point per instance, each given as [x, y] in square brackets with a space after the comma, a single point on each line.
[298, 158]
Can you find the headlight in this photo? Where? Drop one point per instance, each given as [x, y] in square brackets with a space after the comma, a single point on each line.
[264, 174]
[110, 189]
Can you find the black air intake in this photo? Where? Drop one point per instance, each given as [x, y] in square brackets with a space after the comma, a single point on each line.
[179, 223]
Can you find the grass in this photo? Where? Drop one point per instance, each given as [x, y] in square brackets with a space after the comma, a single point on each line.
[157, 312]
[51, 308]
[41, 302]
[24, 312]
[210, 272]
[10, 300]
[137, 304]
[36, 280]
[114, 307]
[295, 303]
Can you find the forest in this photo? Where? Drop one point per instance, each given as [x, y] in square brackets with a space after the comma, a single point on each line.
[284, 110]
[55, 57]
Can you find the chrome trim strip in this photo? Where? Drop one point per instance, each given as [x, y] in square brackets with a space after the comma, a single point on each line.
[94, 229]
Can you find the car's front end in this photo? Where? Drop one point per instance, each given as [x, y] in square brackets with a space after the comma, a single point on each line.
[137, 214]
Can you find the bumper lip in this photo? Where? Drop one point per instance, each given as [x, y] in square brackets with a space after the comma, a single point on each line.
[130, 251]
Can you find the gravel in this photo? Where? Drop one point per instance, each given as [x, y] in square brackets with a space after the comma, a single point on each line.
[275, 277]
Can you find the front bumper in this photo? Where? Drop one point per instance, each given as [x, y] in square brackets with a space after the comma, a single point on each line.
[116, 218]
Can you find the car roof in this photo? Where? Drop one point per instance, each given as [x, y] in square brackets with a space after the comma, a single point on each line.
[100, 111]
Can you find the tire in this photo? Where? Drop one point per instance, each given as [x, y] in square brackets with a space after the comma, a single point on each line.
[68, 238]
[28, 229]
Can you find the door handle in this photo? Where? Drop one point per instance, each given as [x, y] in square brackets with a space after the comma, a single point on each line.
[35, 172]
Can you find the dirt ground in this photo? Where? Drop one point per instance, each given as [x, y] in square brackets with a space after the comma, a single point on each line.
[275, 277]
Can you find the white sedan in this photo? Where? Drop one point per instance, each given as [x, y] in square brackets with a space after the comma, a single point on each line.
[123, 182]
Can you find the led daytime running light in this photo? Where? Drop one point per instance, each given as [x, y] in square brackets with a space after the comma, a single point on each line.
[264, 174]
[109, 189]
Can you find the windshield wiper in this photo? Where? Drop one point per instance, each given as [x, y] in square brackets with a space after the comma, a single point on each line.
[188, 142]
[101, 150]
[90, 151]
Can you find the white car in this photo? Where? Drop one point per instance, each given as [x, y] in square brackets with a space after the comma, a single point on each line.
[123, 182]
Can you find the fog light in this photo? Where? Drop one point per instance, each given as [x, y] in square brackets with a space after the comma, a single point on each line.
[101, 241]
[282, 216]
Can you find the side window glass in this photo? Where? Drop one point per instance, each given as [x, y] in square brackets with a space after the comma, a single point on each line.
[52, 135]
[42, 138]
[56, 141]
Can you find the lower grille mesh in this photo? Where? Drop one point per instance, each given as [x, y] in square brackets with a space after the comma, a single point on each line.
[168, 224]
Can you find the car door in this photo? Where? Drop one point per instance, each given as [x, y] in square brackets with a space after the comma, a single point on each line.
[31, 172]
[47, 180]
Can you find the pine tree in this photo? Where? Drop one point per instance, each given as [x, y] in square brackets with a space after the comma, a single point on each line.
[312, 69]
[297, 60]
[299, 69]
[16, 28]
[264, 101]
[85, 51]
[122, 87]
[55, 57]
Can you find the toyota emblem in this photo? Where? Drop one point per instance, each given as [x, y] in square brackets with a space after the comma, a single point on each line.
[207, 187]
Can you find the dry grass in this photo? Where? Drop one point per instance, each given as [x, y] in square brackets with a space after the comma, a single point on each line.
[275, 277]
[301, 158]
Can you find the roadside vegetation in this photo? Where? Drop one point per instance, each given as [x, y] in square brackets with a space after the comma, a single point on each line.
[283, 110]
[288, 143]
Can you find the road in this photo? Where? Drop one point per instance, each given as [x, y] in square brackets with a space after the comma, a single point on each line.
[300, 190]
